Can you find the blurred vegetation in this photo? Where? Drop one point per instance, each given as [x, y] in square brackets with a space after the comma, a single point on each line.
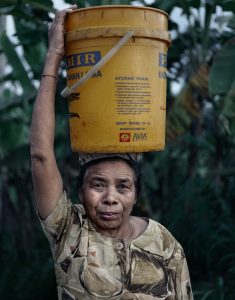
[189, 187]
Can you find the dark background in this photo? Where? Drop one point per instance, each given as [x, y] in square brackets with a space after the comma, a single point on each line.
[189, 187]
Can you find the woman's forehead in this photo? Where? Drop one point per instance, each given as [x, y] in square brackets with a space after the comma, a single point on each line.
[110, 169]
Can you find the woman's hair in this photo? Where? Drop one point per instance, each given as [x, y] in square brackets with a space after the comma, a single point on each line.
[132, 164]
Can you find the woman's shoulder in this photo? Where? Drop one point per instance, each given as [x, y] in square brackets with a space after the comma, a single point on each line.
[157, 239]
[139, 226]
[151, 228]
[169, 242]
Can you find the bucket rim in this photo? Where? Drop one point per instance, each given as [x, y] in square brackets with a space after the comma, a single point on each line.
[120, 6]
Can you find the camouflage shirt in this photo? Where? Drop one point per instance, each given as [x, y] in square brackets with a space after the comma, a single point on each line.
[89, 265]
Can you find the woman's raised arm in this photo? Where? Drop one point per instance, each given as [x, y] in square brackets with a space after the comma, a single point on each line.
[46, 176]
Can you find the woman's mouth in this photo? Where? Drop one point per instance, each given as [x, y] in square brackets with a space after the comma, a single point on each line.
[109, 215]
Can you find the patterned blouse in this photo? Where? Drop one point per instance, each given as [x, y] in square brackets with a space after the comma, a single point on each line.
[89, 265]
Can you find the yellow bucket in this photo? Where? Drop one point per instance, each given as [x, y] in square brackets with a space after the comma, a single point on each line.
[122, 106]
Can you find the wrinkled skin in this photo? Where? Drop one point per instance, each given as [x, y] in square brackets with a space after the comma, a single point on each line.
[108, 195]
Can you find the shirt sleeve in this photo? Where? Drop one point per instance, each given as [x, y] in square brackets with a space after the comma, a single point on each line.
[58, 224]
[179, 278]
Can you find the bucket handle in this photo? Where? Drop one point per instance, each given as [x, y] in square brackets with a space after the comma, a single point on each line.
[69, 90]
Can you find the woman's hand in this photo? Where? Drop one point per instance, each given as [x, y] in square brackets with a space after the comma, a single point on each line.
[56, 32]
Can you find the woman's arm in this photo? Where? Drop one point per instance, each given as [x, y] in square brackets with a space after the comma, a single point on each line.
[46, 176]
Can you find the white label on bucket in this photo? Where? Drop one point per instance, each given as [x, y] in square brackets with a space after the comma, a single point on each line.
[132, 95]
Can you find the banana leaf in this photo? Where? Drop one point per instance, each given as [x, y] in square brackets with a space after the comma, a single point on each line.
[19, 71]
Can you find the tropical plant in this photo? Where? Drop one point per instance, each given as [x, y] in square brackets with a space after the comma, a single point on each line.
[189, 187]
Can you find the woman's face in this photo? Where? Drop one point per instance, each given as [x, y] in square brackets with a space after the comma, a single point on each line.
[109, 194]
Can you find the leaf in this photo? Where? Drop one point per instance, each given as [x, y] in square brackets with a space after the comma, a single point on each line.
[187, 4]
[228, 5]
[164, 5]
[80, 3]
[46, 5]
[120, 2]
[6, 78]
[24, 14]
[185, 108]
[14, 60]
[9, 99]
[222, 72]
[33, 39]
[151, 180]
[231, 22]
[6, 3]
[105, 2]
[207, 294]
[229, 102]
[6, 10]
[12, 135]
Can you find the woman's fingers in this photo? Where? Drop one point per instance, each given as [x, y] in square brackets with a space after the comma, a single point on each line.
[56, 30]
[72, 7]
[62, 13]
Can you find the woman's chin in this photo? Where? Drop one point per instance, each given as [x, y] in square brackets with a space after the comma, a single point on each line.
[107, 223]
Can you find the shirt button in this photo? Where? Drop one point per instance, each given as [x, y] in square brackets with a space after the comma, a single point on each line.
[119, 246]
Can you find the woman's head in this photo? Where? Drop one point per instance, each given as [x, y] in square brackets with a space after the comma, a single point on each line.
[108, 188]
[131, 162]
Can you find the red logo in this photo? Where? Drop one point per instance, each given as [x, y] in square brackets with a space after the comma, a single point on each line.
[124, 137]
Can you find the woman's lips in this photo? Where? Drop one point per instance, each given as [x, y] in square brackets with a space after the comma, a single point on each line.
[109, 215]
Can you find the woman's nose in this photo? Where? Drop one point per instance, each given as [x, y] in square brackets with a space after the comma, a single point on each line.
[110, 197]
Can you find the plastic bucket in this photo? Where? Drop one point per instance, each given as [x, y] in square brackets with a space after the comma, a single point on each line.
[122, 107]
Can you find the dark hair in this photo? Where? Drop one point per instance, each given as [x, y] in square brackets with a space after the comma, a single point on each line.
[133, 165]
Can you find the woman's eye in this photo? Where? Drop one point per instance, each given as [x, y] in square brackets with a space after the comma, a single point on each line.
[123, 187]
[98, 185]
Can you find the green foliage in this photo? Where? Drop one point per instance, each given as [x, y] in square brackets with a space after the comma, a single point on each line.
[44, 6]
[189, 187]
[19, 70]
[195, 175]
[32, 280]
[222, 73]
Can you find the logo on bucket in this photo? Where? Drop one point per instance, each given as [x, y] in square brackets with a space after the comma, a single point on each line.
[83, 59]
[124, 137]
[139, 136]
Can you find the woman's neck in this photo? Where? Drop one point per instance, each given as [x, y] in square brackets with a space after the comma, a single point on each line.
[129, 231]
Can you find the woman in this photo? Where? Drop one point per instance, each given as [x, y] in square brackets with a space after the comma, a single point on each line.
[100, 251]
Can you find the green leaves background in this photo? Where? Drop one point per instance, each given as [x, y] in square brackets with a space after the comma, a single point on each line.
[189, 187]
